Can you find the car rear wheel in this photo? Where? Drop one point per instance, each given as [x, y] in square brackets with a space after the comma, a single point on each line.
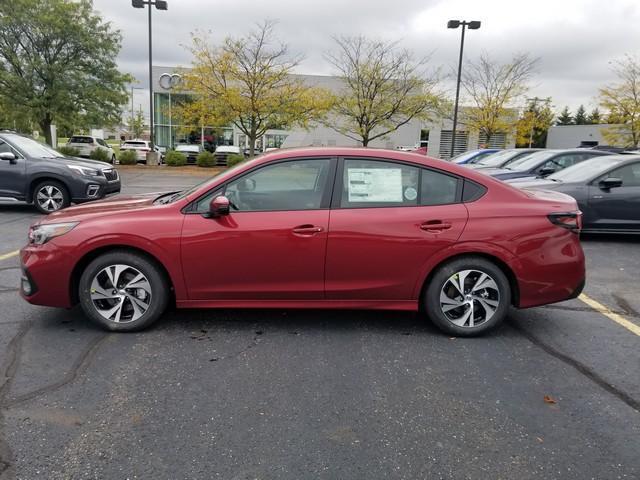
[468, 296]
[123, 291]
[50, 196]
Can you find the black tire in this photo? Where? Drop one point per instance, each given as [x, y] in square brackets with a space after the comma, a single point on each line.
[56, 191]
[159, 291]
[479, 304]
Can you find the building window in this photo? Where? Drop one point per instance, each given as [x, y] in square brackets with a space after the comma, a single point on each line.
[461, 146]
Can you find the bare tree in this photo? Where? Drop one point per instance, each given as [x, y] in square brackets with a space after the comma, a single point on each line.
[493, 87]
[384, 88]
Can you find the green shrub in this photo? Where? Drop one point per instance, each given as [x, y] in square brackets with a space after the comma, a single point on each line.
[234, 159]
[175, 159]
[69, 151]
[206, 159]
[127, 157]
[101, 154]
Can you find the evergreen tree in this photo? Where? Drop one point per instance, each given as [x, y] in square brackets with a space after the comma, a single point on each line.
[594, 117]
[565, 117]
[581, 116]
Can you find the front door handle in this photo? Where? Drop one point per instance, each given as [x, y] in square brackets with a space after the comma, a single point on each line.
[307, 230]
[435, 226]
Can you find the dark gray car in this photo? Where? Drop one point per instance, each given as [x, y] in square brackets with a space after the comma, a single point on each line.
[607, 190]
[34, 173]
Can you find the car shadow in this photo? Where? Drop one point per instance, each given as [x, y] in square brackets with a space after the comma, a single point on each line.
[609, 238]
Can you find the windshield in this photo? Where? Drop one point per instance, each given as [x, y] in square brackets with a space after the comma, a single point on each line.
[586, 170]
[463, 157]
[530, 161]
[498, 158]
[32, 148]
[167, 198]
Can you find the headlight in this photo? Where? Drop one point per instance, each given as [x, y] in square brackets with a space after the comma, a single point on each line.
[40, 234]
[86, 171]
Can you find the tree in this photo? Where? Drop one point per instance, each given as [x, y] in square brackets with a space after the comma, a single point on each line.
[580, 117]
[622, 101]
[136, 124]
[384, 88]
[534, 123]
[565, 117]
[594, 117]
[492, 88]
[249, 81]
[57, 62]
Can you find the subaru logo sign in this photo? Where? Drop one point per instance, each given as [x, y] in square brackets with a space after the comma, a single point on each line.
[169, 81]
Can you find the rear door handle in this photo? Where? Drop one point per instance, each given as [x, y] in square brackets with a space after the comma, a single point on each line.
[435, 226]
[307, 229]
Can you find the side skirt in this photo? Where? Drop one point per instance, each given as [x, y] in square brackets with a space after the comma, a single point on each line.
[406, 305]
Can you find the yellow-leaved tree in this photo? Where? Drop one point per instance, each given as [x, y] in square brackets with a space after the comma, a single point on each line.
[384, 88]
[491, 89]
[248, 81]
[622, 101]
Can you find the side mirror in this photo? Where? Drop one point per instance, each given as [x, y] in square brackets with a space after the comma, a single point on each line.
[9, 156]
[610, 182]
[219, 207]
[543, 172]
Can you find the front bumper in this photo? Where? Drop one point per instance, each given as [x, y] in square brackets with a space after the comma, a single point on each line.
[46, 275]
[94, 188]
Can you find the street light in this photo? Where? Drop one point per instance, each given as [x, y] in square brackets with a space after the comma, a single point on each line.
[473, 25]
[160, 5]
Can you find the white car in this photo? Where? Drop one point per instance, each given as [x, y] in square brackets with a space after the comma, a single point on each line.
[141, 147]
[190, 150]
[223, 151]
[86, 144]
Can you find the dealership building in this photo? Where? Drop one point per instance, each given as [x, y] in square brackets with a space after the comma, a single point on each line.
[168, 131]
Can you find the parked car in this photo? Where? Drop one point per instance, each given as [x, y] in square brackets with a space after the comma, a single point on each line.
[223, 151]
[607, 190]
[86, 144]
[314, 228]
[191, 151]
[34, 173]
[473, 156]
[502, 158]
[141, 147]
[542, 163]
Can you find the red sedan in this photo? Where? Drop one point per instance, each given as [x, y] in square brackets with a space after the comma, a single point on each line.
[314, 228]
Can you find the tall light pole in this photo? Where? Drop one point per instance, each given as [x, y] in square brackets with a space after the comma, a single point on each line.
[473, 25]
[160, 5]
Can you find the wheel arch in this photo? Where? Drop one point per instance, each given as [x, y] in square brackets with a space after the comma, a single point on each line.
[41, 178]
[499, 262]
[89, 256]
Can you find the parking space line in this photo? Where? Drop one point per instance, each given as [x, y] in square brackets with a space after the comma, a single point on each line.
[4, 256]
[620, 320]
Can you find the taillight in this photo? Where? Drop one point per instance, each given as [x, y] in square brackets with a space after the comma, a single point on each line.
[569, 220]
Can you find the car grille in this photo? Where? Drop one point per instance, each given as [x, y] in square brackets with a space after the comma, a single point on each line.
[111, 174]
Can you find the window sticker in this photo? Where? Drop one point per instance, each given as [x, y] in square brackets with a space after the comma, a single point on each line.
[410, 193]
[374, 184]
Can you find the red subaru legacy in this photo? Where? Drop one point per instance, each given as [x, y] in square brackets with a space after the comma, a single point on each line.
[314, 228]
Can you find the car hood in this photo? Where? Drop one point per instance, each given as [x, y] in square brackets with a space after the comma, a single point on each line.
[114, 205]
[81, 162]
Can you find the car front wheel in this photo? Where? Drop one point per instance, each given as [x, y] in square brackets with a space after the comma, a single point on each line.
[50, 196]
[468, 296]
[123, 291]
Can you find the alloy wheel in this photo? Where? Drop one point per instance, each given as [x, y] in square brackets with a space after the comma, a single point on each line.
[469, 298]
[120, 293]
[50, 198]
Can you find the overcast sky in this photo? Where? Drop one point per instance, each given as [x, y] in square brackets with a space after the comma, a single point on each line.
[575, 39]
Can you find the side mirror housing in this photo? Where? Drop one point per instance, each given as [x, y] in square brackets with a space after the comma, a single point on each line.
[543, 172]
[610, 182]
[8, 156]
[219, 206]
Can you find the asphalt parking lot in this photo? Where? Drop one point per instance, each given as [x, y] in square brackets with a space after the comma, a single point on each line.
[554, 393]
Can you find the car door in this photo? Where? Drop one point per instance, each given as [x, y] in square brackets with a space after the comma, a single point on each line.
[387, 219]
[12, 174]
[272, 245]
[616, 208]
